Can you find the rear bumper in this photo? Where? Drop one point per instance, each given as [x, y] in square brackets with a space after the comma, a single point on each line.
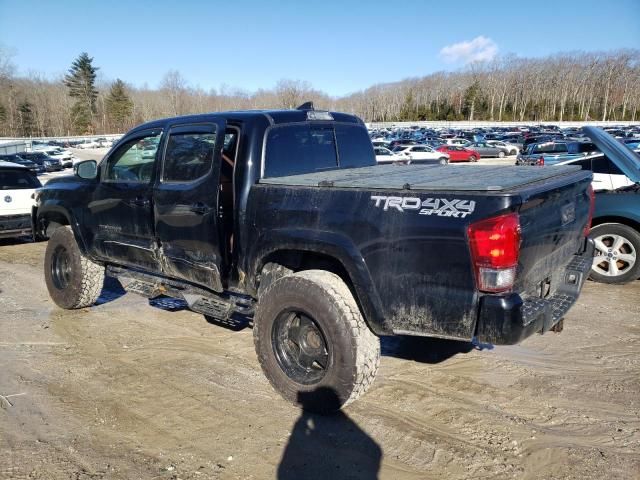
[509, 319]
[15, 225]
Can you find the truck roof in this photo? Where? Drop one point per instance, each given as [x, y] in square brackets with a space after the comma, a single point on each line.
[483, 178]
[272, 116]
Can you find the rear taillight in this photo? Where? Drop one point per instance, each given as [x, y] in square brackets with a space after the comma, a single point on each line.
[592, 207]
[495, 248]
[540, 161]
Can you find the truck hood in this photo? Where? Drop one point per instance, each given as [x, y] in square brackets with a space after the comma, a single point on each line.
[620, 154]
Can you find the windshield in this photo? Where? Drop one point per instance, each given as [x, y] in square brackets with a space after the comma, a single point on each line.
[18, 180]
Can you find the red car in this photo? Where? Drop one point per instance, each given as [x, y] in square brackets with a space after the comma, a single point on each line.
[459, 154]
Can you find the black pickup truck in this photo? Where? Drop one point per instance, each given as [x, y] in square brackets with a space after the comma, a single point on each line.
[284, 217]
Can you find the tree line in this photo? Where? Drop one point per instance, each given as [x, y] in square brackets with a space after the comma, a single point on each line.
[567, 86]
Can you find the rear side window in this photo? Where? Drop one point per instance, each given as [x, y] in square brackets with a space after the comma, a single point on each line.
[560, 148]
[354, 146]
[543, 148]
[189, 156]
[18, 180]
[297, 149]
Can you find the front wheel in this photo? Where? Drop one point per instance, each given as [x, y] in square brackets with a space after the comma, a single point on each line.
[73, 280]
[443, 161]
[473, 158]
[500, 154]
[312, 342]
[617, 257]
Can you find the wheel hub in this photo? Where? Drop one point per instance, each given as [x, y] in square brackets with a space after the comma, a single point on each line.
[300, 347]
[61, 268]
[615, 255]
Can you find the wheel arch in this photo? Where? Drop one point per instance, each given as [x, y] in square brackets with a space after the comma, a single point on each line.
[629, 222]
[339, 256]
[49, 218]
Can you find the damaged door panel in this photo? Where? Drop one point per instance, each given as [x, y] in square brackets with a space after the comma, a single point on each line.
[186, 204]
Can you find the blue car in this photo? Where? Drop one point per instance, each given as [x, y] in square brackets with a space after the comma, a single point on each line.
[616, 221]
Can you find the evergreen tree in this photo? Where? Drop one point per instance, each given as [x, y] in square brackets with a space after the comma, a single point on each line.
[118, 105]
[25, 119]
[81, 83]
[471, 94]
[3, 117]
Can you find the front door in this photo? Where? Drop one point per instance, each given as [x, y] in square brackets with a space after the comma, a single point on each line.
[186, 203]
[120, 209]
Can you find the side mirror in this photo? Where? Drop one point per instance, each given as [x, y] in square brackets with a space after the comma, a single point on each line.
[87, 169]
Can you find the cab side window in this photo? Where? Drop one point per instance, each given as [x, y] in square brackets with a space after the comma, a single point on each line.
[133, 161]
[188, 157]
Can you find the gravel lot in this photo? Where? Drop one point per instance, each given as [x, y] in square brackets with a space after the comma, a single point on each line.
[137, 389]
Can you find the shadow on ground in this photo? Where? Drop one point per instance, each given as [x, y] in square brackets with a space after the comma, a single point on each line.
[111, 290]
[330, 447]
[427, 350]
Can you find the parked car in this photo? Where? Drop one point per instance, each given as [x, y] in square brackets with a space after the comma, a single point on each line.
[395, 143]
[463, 142]
[88, 144]
[66, 158]
[616, 219]
[17, 187]
[15, 158]
[384, 155]
[554, 152]
[616, 232]
[459, 154]
[325, 248]
[489, 150]
[48, 163]
[421, 154]
[511, 148]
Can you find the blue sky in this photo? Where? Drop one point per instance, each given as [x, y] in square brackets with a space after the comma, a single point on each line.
[337, 46]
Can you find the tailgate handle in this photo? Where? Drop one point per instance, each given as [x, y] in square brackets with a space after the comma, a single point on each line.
[140, 202]
[200, 208]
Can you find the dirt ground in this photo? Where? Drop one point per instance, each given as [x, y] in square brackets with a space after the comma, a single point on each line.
[131, 389]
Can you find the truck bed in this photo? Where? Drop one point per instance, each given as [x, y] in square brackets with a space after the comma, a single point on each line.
[471, 178]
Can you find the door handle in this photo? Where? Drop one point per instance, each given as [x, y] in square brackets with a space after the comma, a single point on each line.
[199, 208]
[140, 202]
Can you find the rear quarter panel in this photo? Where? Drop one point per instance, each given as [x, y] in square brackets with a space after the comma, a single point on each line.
[411, 271]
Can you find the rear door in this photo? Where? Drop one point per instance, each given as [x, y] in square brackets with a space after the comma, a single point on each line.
[186, 202]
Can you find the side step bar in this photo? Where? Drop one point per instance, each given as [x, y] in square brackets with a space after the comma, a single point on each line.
[219, 306]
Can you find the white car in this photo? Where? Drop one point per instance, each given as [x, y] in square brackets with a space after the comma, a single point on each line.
[377, 142]
[421, 154]
[513, 149]
[606, 175]
[66, 158]
[17, 186]
[384, 155]
[88, 144]
[460, 142]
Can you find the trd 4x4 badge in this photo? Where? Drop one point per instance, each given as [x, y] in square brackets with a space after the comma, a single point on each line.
[441, 207]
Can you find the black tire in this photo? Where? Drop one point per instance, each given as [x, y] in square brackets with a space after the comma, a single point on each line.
[319, 308]
[500, 154]
[473, 158]
[617, 246]
[443, 161]
[73, 280]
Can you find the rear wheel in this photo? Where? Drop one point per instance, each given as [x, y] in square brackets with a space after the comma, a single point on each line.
[73, 280]
[443, 161]
[617, 257]
[312, 342]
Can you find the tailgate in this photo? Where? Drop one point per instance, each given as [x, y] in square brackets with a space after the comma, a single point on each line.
[552, 224]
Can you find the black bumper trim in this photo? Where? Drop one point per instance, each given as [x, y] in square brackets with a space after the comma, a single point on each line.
[509, 319]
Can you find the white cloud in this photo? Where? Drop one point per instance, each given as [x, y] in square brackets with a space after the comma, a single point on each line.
[480, 49]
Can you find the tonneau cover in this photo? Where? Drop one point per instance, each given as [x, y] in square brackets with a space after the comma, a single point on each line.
[484, 178]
